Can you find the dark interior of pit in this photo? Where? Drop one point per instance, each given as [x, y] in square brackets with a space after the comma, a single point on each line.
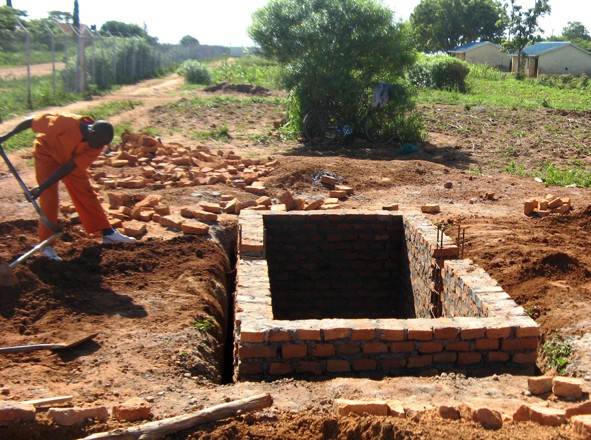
[348, 267]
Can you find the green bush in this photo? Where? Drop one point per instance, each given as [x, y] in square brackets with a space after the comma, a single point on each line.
[194, 72]
[440, 72]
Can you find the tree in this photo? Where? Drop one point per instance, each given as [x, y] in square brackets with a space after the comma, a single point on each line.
[576, 31]
[60, 16]
[8, 22]
[441, 25]
[524, 28]
[188, 41]
[332, 48]
[123, 29]
[76, 16]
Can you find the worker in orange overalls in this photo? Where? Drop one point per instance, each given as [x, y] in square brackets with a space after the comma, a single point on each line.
[65, 146]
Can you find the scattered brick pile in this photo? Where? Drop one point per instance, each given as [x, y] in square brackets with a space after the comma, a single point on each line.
[134, 409]
[578, 415]
[144, 162]
[546, 206]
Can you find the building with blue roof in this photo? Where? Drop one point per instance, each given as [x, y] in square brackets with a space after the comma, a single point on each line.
[483, 52]
[554, 58]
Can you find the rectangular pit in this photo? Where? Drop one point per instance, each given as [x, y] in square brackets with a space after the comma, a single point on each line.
[355, 292]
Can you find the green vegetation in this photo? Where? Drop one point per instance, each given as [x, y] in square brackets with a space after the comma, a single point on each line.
[336, 50]
[206, 325]
[249, 70]
[194, 72]
[491, 88]
[557, 351]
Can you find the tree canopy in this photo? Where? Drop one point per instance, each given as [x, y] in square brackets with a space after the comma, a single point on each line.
[441, 25]
[524, 28]
[332, 48]
[576, 31]
[188, 40]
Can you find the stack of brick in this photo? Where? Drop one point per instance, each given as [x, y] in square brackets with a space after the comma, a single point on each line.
[546, 206]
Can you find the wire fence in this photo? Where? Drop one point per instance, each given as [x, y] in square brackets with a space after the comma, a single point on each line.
[87, 61]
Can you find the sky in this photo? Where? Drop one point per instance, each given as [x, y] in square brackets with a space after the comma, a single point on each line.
[224, 22]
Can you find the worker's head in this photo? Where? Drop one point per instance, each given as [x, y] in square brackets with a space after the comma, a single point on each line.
[100, 133]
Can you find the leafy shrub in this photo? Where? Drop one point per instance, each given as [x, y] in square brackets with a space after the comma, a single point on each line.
[440, 72]
[194, 72]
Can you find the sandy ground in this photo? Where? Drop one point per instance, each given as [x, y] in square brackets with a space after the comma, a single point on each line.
[143, 300]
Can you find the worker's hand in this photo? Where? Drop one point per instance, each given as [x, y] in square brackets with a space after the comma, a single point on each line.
[35, 192]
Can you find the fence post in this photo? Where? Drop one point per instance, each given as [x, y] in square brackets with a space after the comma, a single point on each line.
[52, 36]
[28, 59]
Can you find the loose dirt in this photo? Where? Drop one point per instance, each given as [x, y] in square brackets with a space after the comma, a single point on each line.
[160, 306]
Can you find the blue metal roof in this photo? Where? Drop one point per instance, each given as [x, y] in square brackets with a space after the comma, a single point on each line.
[544, 46]
[466, 47]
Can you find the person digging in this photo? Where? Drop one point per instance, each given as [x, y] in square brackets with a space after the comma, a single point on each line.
[65, 146]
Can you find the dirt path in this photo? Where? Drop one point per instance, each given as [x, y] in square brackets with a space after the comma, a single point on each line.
[149, 302]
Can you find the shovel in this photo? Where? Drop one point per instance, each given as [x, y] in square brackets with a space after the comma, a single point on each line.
[7, 278]
[58, 346]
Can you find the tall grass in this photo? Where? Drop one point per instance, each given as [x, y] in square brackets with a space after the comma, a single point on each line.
[490, 87]
[248, 70]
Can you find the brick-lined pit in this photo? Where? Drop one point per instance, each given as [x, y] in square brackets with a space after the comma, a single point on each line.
[354, 292]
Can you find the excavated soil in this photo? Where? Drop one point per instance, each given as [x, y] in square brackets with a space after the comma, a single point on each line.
[158, 309]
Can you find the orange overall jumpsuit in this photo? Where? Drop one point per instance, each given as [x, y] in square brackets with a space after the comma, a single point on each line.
[58, 141]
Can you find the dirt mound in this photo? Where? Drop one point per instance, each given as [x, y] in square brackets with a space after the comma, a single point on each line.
[248, 89]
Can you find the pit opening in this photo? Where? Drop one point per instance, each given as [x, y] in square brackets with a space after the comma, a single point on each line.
[350, 292]
[352, 267]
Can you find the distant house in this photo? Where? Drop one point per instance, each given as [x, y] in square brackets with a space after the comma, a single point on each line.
[554, 58]
[482, 52]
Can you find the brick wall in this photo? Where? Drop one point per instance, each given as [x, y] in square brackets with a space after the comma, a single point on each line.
[481, 330]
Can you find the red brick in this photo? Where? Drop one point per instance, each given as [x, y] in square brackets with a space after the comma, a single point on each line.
[472, 333]
[252, 336]
[457, 346]
[539, 385]
[391, 335]
[323, 350]
[388, 364]
[402, 347]
[309, 367]
[375, 347]
[469, 358]
[430, 347]
[567, 387]
[250, 368]
[487, 344]
[419, 361]
[364, 365]
[280, 368]
[420, 335]
[446, 333]
[337, 366]
[497, 356]
[336, 333]
[525, 358]
[279, 336]
[498, 332]
[289, 351]
[581, 426]
[579, 409]
[445, 358]
[363, 334]
[347, 349]
[257, 352]
[194, 228]
[308, 335]
[520, 344]
[526, 332]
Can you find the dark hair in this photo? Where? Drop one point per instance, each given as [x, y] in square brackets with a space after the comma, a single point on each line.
[103, 132]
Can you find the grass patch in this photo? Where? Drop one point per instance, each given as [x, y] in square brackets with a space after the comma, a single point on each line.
[248, 70]
[505, 91]
[557, 351]
[556, 176]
